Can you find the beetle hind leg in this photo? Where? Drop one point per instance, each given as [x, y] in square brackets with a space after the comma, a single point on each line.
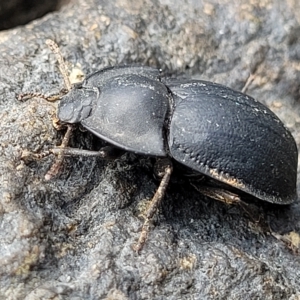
[218, 194]
[155, 202]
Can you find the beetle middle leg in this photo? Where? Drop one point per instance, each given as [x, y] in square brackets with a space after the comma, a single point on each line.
[155, 202]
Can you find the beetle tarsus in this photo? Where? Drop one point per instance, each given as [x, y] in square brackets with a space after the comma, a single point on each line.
[155, 202]
[27, 155]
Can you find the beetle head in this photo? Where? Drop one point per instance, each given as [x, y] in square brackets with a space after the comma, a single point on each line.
[77, 104]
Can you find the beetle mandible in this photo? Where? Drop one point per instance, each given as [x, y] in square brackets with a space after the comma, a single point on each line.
[207, 127]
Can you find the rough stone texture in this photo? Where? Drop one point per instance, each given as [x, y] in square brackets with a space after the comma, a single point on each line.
[71, 237]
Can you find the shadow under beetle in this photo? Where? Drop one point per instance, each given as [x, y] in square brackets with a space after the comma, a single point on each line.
[207, 127]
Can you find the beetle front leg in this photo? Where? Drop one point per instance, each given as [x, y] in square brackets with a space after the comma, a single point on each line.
[108, 152]
[155, 202]
[55, 168]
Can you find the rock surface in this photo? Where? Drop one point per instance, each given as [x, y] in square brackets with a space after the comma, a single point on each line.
[71, 237]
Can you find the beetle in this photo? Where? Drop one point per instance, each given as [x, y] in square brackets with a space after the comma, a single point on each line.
[209, 128]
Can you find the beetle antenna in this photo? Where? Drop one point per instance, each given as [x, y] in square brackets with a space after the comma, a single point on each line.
[49, 98]
[61, 63]
[64, 72]
[29, 95]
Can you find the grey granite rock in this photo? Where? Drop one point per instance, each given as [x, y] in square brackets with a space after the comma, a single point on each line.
[71, 237]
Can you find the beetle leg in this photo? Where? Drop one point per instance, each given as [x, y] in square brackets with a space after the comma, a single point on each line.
[155, 202]
[218, 194]
[31, 155]
[27, 155]
[53, 171]
[248, 82]
[228, 198]
[108, 152]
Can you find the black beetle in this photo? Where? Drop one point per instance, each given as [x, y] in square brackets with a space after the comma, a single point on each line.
[209, 128]
[205, 126]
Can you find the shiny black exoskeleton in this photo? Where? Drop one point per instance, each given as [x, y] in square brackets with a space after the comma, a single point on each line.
[210, 128]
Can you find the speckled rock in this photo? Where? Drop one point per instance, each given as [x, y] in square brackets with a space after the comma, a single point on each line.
[71, 237]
